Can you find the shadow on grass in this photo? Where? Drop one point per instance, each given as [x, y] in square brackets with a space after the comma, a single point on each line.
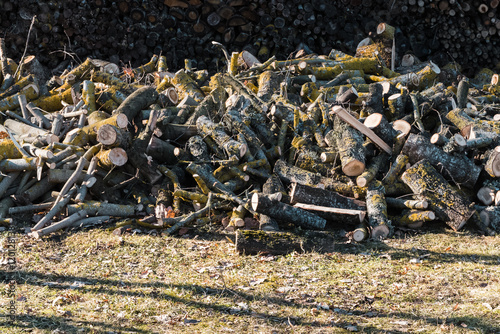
[116, 287]
[64, 324]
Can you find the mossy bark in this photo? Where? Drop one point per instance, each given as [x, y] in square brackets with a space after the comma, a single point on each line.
[447, 203]
[376, 208]
[458, 168]
[289, 174]
[349, 143]
[269, 84]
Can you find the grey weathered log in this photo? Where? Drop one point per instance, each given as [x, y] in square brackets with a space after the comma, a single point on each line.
[280, 211]
[458, 168]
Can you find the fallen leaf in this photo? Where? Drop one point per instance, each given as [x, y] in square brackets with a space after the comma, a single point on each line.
[488, 306]
[257, 281]
[128, 71]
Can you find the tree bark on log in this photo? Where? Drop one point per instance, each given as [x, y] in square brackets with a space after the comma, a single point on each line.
[138, 100]
[376, 208]
[216, 131]
[280, 243]
[491, 217]
[458, 168]
[349, 143]
[448, 205]
[280, 211]
[290, 174]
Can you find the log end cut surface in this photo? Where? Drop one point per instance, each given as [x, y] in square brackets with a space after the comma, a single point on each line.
[353, 168]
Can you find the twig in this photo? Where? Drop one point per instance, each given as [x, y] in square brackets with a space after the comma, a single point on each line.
[56, 208]
[19, 68]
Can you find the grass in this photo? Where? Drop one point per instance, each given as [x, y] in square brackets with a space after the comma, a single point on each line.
[93, 281]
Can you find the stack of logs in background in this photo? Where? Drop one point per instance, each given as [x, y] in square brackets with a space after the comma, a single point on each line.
[130, 31]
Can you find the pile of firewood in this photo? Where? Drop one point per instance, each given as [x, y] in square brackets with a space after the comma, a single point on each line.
[315, 142]
[132, 31]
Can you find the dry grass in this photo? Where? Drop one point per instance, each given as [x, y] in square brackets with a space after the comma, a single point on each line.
[96, 282]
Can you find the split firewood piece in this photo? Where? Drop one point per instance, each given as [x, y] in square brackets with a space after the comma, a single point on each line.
[376, 208]
[279, 243]
[401, 203]
[349, 143]
[280, 211]
[137, 101]
[344, 216]
[137, 151]
[448, 205]
[455, 167]
[66, 222]
[290, 174]
[347, 117]
[208, 128]
[412, 218]
[96, 208]
[490, 216]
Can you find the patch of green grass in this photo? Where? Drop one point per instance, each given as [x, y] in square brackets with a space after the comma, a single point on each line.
[97, 282]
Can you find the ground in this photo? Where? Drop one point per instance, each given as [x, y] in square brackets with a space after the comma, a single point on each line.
[93, 281]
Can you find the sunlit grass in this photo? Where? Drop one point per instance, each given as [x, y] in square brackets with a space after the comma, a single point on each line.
[97, 282]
